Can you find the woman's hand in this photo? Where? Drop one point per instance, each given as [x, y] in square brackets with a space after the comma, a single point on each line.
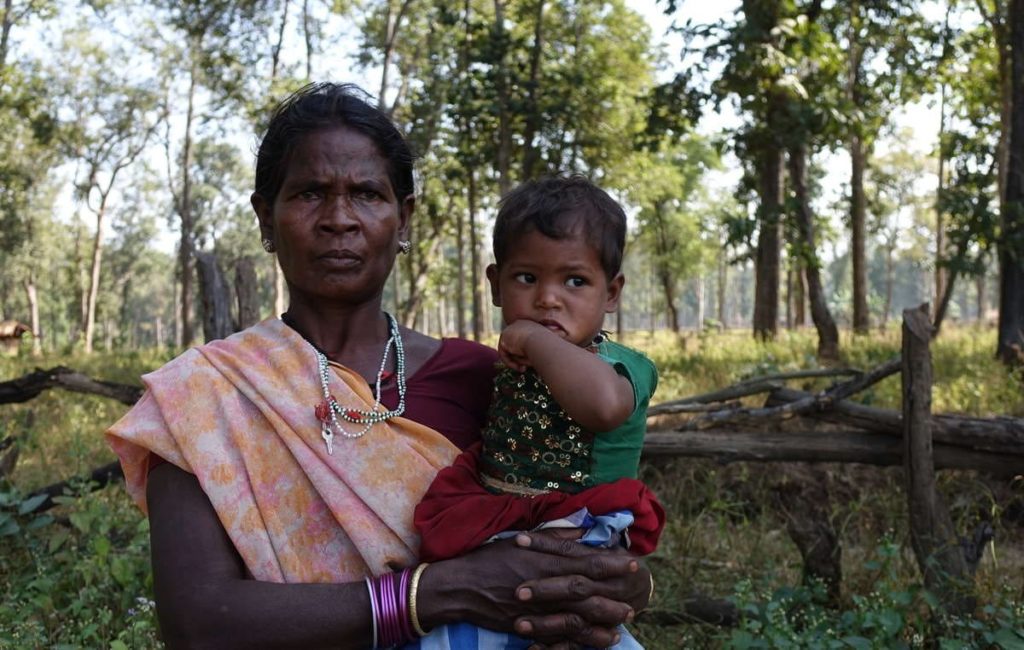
[616, 596]
[551, 589]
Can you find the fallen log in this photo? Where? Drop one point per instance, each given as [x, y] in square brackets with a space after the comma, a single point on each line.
[845, 446]
[998, 434]
[31, 385]
[748, 387]
[97, 479]
[821, 400]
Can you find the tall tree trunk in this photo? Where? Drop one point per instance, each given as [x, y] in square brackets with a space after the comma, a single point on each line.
[668, 293]
[531, 153]
[460, 276]
[858, 157]
[185, 251]
[858, 162]
[766, 262]
[723, 279]
[474, 260]
[307, 36]
[1010, 348]
[700, 302]
[800, 302]
[940, 231]
[889, 280]
[275, 54]
[502, 86]
[32, 296]
[789, 295]
[5, 34]
[89, 326]
[979, 284]
[828, 334]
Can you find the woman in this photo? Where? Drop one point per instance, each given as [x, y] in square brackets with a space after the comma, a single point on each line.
[288, 478]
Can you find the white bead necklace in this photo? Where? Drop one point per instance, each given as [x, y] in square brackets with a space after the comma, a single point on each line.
[328, 411]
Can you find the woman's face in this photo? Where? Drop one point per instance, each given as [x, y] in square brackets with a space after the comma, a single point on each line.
[336, 221]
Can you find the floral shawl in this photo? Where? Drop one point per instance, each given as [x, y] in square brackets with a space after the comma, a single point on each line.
[239, 414]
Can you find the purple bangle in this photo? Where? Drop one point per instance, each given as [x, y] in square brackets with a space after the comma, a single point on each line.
[403, 606]
[394, 626]
[385, 610]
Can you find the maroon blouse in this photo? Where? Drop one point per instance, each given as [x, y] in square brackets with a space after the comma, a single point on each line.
[450, 393]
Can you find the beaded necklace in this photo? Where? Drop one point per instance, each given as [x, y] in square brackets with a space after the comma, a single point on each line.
[328, 411]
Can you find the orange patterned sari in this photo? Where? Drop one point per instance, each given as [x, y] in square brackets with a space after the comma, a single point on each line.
[239, 414]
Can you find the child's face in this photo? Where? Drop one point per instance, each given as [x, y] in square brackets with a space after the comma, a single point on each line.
[558, 283]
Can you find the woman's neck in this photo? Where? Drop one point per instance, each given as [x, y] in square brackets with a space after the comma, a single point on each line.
[350, 335]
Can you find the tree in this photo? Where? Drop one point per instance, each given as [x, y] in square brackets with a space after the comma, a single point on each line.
[114, 118]
[1011, 242]
[666, 185]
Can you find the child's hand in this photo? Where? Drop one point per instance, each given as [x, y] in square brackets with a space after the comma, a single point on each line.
[512, 345]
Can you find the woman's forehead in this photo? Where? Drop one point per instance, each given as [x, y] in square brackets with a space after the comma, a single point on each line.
[339, 150]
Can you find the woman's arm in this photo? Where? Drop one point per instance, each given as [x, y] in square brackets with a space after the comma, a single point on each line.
[204, 598]
[585, 386]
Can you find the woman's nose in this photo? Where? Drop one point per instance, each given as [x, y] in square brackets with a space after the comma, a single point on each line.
[338, 215]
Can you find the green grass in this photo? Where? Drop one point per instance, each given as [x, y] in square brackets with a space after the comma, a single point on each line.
[78, 576]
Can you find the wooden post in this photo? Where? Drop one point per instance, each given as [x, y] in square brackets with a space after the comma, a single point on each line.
[216, 299]
[931, 530]
[247, 291]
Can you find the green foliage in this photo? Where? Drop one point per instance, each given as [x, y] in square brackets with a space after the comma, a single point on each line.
[78, 577]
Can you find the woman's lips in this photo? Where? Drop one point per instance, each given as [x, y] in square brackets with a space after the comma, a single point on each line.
[340, 259]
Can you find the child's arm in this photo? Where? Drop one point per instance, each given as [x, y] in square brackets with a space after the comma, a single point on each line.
[583, 384]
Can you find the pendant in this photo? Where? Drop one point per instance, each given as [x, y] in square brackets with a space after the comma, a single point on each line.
[328, 436]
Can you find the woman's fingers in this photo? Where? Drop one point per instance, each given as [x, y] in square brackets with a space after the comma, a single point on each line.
[566, 628]
[578, 595]
[596, 566]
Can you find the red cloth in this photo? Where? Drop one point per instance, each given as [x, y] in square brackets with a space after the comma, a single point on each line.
[458, 514]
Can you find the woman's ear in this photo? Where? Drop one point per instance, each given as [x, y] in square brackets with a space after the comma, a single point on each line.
[492, 278]
[405, 211]
[614, 293]
[264, 214]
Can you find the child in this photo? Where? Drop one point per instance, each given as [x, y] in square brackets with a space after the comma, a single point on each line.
[567, 421]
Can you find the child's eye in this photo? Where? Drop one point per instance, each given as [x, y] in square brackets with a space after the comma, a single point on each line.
[525, 278]
[576, 282]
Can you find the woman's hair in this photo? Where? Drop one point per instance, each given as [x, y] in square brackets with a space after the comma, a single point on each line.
[559, 207]
[321, 106]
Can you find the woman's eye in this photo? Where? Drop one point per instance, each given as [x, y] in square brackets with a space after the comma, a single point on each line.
[309, 195]
[525, 278]
[575, 282]
[366, 195]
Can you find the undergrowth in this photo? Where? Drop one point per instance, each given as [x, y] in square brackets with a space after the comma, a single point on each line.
[78, 576]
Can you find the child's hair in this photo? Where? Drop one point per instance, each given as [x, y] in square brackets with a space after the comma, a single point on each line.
[559, 207]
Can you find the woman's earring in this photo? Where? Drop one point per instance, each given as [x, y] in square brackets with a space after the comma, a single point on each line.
[268, 245]
[404, 246]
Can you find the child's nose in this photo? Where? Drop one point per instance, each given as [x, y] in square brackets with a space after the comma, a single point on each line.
[547, 297]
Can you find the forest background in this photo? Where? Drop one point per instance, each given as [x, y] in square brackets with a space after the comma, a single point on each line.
[777, 160]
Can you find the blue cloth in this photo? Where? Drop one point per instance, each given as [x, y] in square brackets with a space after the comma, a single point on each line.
[602, 530]
[465, 636]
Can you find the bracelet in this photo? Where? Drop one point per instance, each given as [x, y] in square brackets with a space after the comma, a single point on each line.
[390, 609]
[373, 611]
[414, 587]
